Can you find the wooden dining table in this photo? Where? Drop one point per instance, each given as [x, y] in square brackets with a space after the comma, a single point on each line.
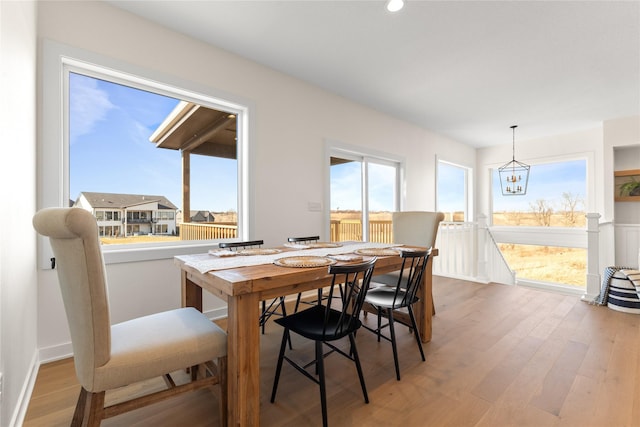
[243, 288]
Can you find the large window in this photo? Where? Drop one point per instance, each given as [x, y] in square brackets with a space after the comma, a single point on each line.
[141, 150]
[537, 232]
[128, 148]
[364, 191]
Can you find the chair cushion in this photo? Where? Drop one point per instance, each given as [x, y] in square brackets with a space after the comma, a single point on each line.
[157, 344]
[310, 324]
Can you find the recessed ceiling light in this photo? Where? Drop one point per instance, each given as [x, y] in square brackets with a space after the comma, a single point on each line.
[395, 5]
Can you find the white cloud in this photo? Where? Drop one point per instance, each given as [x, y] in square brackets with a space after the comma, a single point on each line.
[87, 104]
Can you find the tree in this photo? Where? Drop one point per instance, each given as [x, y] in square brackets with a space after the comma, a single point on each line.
[542, 212]
[569, 206]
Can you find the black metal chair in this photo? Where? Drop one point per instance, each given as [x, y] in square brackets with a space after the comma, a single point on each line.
[308, 239]
[324, 324]
[275, 306]
[386, 299]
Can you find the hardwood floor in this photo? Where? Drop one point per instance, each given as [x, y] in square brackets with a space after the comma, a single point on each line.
[500, 356]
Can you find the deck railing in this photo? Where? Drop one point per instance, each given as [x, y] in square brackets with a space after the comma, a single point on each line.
[207, 231]
[351, 229]
[341, 230]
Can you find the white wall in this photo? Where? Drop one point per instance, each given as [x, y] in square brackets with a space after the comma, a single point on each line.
[18, 285]
[292, 121]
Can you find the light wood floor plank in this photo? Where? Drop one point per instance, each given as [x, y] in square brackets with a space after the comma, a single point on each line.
[500, 356]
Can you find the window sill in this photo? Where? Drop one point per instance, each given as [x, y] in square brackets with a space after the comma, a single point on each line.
[116, 254]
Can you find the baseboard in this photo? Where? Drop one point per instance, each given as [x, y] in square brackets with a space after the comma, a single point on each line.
[20, 411]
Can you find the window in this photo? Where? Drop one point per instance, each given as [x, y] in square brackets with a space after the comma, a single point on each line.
[544, 229]
[110, 129]
[555, 197]
[364, 191]
[126, 150]
[453, 191]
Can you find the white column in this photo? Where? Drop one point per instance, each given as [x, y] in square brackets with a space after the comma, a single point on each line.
[593, 254]
[481, 249]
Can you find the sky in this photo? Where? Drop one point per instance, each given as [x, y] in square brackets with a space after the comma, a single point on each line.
[110, 152]
[546, 182]
[346, 187]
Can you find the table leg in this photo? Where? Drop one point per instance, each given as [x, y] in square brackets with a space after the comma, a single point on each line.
[426, 307]
[191, 293]
[243, 355]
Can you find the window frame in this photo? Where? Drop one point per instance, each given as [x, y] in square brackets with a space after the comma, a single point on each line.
[567, 237]
[468, 190]
[366, 156]
[589, 201]
[53, 146]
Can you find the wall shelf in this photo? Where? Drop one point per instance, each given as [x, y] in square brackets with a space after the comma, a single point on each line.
[623, 180]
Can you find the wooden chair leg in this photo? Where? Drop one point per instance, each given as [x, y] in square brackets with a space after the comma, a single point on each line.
[89, 409]
[96, 409]
[79, 414]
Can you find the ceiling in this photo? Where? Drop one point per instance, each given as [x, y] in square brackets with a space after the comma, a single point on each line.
[466, 70]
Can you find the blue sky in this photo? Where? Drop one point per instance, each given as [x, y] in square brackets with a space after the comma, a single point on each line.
[346, 184]
[110, 152]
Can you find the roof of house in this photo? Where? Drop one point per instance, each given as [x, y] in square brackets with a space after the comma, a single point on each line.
[201, 216]
[122, 201]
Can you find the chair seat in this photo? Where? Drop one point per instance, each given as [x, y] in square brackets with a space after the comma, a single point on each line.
[389, 279]
[310, 323]
[153, 345]
[383, 296]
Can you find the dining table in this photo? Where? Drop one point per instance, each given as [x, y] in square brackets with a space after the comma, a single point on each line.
[244, 281]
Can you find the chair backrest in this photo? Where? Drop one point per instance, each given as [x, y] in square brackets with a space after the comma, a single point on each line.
[303, 239]
[352, 281]
[73, 233]
[410, 276]
[419, 228]
[236, 245]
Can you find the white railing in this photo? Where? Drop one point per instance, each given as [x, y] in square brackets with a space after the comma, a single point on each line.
[456, 243]
[468, 251]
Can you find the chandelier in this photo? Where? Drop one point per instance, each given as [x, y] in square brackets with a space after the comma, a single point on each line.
[514, 176]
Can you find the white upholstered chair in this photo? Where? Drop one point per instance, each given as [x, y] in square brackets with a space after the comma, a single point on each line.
[419, 228]
[111, 356]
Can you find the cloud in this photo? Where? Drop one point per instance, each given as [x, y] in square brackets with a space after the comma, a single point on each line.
[88, 105]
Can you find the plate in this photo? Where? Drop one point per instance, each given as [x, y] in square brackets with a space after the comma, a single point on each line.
[259, 251]
[323, 245]
[221, 252]
[346, 257]
[377, 252]
[304, 261]
[408, 249]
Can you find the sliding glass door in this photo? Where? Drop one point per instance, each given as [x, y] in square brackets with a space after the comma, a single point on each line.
[363, 192]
